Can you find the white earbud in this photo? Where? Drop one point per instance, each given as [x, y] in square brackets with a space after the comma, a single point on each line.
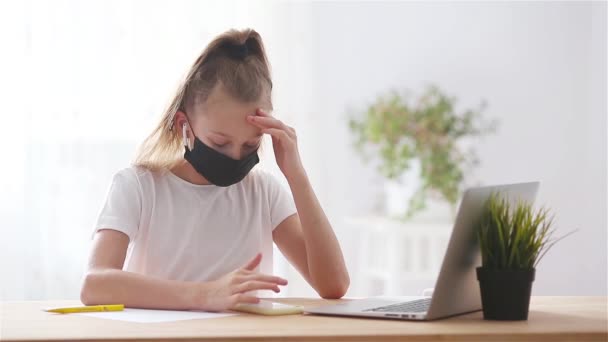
[185, 137]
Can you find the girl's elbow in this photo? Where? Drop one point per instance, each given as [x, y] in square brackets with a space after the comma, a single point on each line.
[337, 290]
[87, 290]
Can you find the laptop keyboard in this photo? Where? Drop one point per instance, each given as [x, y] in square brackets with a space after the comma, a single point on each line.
[419, 305]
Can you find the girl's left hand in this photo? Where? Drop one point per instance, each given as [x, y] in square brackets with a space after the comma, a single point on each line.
[284, 143]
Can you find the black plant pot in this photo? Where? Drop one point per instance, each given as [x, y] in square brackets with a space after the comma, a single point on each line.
[505, 294]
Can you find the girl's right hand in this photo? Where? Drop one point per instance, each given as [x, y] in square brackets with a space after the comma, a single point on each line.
[228, 291]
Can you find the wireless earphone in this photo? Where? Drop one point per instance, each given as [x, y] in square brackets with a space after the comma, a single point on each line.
[185, 137]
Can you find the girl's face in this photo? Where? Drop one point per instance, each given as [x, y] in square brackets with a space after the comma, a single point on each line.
[221, 123]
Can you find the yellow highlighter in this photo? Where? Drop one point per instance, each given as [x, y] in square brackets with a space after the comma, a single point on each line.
[90, 308]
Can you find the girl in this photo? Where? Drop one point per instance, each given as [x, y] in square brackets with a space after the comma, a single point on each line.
[186, 226]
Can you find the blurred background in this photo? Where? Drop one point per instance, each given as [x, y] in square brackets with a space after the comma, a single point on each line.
[83, 82]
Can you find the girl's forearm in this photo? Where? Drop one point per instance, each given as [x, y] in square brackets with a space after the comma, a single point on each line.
[113, 286]
[325, 260]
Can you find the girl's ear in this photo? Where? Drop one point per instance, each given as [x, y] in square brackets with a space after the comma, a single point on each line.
[178, 119]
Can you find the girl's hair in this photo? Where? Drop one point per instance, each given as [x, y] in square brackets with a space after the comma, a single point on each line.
[236, 60]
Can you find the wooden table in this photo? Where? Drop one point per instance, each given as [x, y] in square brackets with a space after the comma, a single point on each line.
[550, 319]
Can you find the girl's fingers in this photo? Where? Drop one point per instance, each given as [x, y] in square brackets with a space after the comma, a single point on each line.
[254, 262]
[276, 133]
[243, 298]
[253, 285]
[265, 121]
[266, 278]
[270, 122]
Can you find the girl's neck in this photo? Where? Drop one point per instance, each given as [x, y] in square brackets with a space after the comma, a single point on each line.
[185, 171]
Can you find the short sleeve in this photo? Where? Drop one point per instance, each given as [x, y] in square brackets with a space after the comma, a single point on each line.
[281, 201]
[122, 208]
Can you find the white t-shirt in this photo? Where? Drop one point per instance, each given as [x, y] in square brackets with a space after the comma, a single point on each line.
[183, 231]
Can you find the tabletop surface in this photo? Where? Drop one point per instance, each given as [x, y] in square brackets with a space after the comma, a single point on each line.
[550, 319]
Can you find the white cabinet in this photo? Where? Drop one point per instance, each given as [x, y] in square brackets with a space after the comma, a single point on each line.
[394, 257]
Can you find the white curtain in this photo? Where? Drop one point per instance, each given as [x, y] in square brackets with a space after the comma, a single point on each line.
[82, 83]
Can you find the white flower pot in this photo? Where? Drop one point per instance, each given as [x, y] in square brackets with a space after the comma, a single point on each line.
[398, 193]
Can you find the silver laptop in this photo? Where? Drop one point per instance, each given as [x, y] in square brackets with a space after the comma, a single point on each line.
[456, 290]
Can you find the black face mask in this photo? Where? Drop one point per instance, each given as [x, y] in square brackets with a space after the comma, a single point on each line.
[218, 168]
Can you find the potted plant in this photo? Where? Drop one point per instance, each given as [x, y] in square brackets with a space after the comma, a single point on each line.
[513, 238]
[424, 135]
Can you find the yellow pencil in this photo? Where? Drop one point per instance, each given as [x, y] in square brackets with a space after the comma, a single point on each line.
[91, 308]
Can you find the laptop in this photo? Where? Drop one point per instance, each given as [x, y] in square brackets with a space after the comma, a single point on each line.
[456, 289]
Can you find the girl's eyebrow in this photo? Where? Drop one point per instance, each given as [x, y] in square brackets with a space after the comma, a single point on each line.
[229, 136]
[222, 134]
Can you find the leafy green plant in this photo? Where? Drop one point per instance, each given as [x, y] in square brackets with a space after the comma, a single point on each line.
[398, 131]
[514, 237]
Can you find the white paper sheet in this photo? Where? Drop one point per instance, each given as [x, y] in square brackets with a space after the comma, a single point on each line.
[154, 316]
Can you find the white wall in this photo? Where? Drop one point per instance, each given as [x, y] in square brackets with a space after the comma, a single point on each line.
[540, 66]
[84, 81]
